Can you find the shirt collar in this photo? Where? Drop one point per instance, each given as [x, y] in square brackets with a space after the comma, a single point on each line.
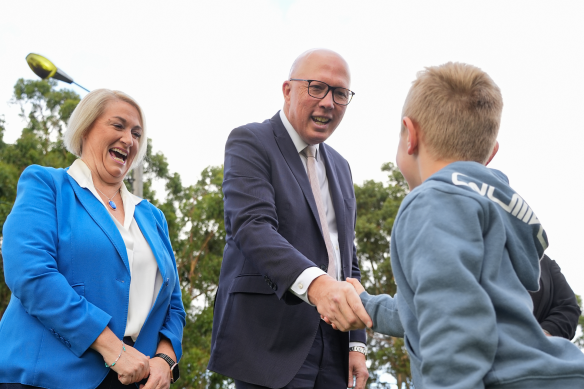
[296, 139]
[82, 175]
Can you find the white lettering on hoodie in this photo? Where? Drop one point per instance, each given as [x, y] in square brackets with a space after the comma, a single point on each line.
[516, 207]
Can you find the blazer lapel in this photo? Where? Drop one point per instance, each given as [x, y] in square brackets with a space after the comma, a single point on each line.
[151, 231]
[101, 217]
[292, 158]
[338, 203]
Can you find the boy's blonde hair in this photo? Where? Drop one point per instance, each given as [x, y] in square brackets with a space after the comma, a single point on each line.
[458, 110]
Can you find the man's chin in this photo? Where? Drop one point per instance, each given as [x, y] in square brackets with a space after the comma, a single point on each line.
[318, 136]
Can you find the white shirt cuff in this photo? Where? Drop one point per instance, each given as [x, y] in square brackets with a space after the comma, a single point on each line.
[300, 286]
[355, 344]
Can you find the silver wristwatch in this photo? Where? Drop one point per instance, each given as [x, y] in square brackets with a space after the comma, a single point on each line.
[359, 349]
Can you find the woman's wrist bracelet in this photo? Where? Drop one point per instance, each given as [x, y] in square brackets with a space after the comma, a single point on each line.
[118, 358]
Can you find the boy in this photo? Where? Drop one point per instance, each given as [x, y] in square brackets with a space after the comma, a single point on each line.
[465, 249]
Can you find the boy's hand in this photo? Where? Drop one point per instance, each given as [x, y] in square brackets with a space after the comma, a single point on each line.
[358, 288]
[339, 303]
[356, 284]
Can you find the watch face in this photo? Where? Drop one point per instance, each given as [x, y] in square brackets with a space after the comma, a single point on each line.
[175, 373]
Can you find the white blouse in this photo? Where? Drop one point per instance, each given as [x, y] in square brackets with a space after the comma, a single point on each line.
[146, 280]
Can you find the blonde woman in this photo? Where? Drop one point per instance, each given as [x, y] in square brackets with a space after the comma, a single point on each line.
[96, 301]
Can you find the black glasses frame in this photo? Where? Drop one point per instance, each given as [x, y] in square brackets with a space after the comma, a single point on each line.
[330, 88]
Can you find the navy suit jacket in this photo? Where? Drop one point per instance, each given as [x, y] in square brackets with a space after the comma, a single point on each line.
[67, 267]
[262, 333]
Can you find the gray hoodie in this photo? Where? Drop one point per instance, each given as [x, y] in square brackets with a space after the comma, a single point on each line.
[465, 249]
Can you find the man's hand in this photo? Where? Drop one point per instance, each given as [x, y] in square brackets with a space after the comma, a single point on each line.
[356, 284]
[338, 302]
[357, 369]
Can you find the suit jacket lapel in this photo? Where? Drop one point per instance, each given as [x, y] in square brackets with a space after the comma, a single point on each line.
[292, 158]
[338, 202]
[101, 217]
[151, 231]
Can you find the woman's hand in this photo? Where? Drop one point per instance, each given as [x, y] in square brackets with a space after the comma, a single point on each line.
[159, 368]
[133, 366]
[159, 375]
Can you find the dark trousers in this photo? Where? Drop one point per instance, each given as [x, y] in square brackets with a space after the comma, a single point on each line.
[110, 382]
[323, 367]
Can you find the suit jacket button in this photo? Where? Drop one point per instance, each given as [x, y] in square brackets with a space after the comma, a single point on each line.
[323, 267]
[274, 287]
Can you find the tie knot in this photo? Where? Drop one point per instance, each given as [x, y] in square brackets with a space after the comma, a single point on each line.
[310, 151]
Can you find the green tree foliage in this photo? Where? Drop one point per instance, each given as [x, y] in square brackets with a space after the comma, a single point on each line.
[199, 252]
[195, 222]
[46, 110]
[8, 177]
[377, 206]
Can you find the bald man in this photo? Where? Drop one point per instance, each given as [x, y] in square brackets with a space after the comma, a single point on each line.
[290, 230]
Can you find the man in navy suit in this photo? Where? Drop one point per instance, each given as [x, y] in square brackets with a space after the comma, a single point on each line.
[290, 226]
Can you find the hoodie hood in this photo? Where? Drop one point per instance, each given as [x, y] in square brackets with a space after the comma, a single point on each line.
[526, 238]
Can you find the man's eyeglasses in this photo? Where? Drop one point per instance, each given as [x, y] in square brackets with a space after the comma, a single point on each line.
[319, 90]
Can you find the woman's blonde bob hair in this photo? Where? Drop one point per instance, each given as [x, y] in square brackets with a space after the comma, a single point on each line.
[88, 110]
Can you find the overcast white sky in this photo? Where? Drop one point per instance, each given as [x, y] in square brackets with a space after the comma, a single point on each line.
[201, 68]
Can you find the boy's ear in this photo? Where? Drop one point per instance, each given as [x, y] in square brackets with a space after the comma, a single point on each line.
[495, 149]
[413, 135]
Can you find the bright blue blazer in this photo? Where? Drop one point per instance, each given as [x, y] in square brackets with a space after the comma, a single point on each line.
[67, 267]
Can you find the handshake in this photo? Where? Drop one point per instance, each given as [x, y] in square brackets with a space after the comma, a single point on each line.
[339, 304]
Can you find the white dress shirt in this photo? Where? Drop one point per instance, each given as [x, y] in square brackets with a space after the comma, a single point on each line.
[146, 279]
[300, 286]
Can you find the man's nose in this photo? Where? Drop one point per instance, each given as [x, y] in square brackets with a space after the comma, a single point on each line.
[327, 101]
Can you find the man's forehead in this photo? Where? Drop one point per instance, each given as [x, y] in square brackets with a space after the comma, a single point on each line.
[317, 59]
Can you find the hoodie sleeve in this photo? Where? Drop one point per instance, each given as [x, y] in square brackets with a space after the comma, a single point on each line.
[441, 249]
[383, 311]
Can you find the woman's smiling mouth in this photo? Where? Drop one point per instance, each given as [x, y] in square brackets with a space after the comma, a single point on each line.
[119, 155]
